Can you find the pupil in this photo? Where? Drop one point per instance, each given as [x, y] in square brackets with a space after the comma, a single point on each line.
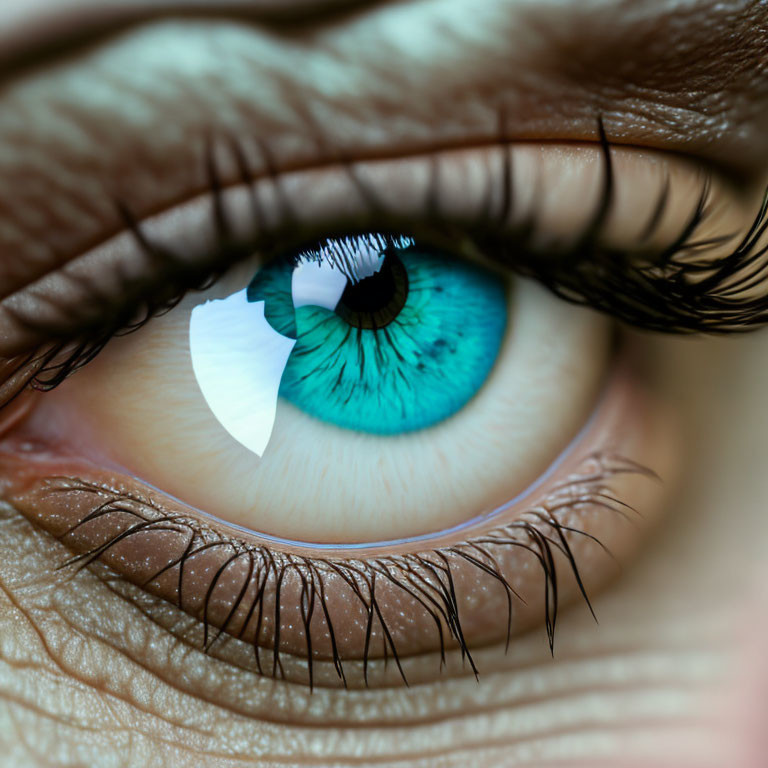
[376, 301]
[399, 350]
[373, 292]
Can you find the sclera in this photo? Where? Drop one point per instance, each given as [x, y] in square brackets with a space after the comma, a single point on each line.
[138, 408]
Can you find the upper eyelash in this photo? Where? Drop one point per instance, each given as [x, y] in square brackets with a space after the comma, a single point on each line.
[651, 290]
[424, 576]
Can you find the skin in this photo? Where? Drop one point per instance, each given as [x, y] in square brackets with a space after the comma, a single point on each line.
[672, 675]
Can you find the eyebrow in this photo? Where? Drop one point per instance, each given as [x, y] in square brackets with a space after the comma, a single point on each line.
[684, 75]
[37, 31]
[706, 60]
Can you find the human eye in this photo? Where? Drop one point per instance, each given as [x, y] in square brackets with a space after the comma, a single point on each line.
[355, 419]
[377, 390]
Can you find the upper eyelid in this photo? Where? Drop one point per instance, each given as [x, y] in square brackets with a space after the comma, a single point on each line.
[262, 166]
[274, 181]
[269, 171]
[43, 146]
[249, 172]
[119, 246]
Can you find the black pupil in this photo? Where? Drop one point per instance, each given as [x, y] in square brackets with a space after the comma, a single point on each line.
[376, 301]
[371, 293]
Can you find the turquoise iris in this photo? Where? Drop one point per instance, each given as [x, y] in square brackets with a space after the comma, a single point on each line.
[404, 348]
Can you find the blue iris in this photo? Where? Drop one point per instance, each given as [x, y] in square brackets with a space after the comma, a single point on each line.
[407, 344]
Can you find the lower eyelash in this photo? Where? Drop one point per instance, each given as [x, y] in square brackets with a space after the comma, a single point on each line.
[424, 577]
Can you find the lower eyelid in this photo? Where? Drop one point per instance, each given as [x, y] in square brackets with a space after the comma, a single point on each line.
[593, 489]
[402, 575]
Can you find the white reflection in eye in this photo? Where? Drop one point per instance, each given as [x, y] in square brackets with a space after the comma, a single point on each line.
[238, 359]
[372, 333]
[317, 284]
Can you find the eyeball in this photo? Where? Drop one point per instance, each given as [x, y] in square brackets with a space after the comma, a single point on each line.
[361, 389]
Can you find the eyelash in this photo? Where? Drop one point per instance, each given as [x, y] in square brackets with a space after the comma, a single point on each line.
[584, 272]
[675, 291]
[424, 577]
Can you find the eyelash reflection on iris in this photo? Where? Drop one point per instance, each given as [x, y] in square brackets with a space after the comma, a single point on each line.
[390, 336]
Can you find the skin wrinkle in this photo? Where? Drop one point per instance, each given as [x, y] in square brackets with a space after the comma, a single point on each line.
[60, 657]
[88, 578]
[89, 211]
[631, 614]
[525, 674]
[63, 672]
[522, 682]
[581, 672]
[712, 70]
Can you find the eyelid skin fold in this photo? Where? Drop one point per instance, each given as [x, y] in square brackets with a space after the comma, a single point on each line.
[496, 202]
[334, 615]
